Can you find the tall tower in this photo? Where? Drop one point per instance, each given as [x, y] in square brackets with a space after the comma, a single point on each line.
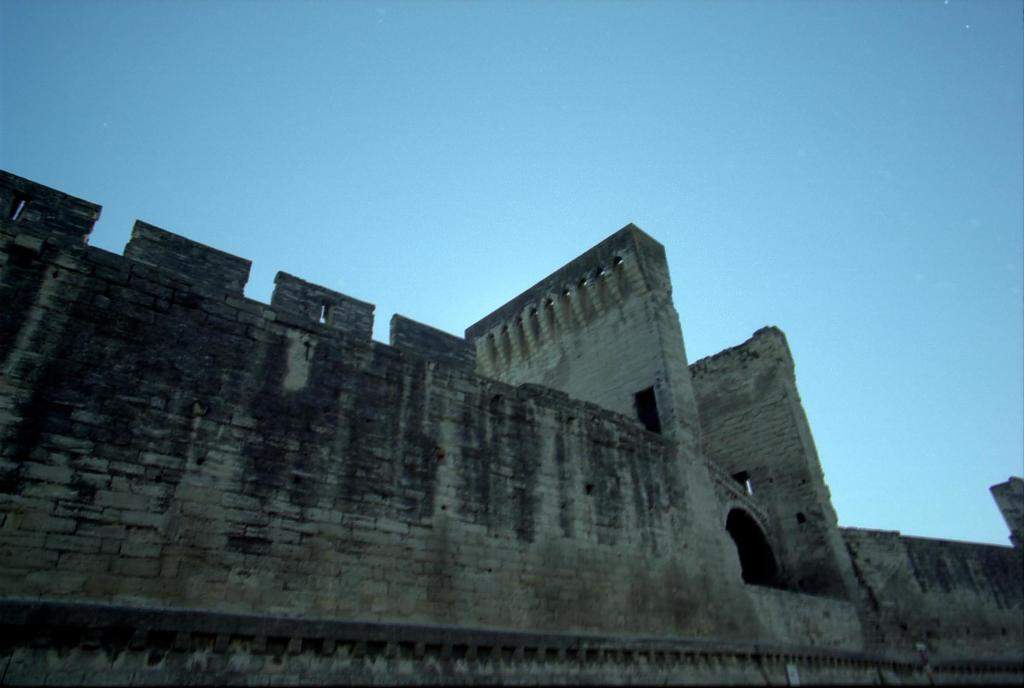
[754, 427]
[602, 329]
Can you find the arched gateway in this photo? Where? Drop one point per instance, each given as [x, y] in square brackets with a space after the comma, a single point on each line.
[756, 559]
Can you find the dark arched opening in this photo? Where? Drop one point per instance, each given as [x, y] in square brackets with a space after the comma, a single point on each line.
[756, 559]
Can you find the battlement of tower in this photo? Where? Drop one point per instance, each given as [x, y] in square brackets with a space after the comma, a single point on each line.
[572, 296]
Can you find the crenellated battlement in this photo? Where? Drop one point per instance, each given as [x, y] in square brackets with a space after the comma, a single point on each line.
[601, 328]
[196, 263]
[38, 214]
[32, 207]
[568, 299]
[321, 305]
[430, 342]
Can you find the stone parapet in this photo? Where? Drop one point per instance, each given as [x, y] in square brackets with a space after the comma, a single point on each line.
[194, 262]
[429, 342]
[29, 206]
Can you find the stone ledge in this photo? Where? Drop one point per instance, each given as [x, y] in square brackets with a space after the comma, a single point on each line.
[87, 643]
[33, 616]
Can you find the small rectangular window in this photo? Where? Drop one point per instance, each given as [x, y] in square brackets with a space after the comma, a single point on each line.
[647, 409]
[743, 478]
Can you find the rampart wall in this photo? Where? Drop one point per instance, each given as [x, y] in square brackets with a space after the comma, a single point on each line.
[946, 598]
[193, 481]
[431, 343]
[168, 442]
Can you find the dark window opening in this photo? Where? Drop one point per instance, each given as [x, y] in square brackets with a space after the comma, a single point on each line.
[800, 518]
[756, 559]
[17, 208]
[743, 478]
[647, 409]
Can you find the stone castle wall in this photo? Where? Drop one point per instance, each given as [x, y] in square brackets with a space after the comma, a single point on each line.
[174, 455]
[167, 441]
[953, 599]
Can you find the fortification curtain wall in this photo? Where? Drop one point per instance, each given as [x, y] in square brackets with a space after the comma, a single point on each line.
[168, 442]
[191, 480]
[954, 599]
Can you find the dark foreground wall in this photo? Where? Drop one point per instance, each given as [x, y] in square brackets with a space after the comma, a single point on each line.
[167, 442]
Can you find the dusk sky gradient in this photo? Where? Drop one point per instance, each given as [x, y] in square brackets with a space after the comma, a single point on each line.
[848, 171]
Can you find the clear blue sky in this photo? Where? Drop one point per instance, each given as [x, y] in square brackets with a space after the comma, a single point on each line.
[850, 172]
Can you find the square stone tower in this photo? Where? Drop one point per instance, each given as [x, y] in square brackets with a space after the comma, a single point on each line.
[602, 329]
